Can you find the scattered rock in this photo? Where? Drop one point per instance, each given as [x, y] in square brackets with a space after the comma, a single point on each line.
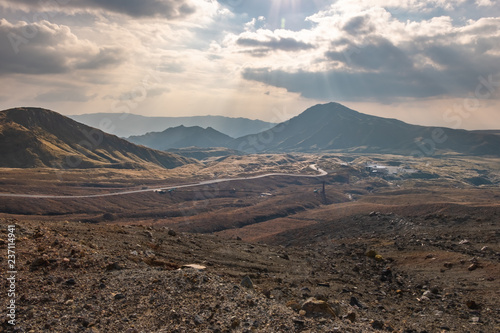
[284, 256]
[235, 322]
[172, 233]
[298, 321]
[473, 267]
[294, 305]
[472, 305]
[354, 302]
[247, 282]
[38, 263]
[198, 320]
[313, 306]
[114, 267]
[70, 282]
[119, 296]
[195, 266]
[377, 324]
[154, 262]
[351, 316]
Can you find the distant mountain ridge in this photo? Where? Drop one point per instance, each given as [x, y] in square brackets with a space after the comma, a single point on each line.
[127, 124]
[181, 137]
[36, 137]
[334, 127]
[494, 132]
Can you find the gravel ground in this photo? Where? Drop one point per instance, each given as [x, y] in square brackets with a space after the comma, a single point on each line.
[76, 277]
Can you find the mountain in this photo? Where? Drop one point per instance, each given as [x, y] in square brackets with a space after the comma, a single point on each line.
[127, 124]
[35, 137]
[181, 137]
[494, 132]
[334, 127]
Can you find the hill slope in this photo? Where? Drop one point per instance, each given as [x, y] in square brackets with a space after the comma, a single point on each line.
[126, 124]
[333, 126]
[182, 137]
[35, 137]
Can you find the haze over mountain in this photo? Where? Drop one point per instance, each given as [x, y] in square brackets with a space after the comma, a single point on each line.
[126, 124]
[181, 137]
[332, 126]
[35, 137]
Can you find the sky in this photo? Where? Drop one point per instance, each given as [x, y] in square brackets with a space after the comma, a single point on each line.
[428, 62]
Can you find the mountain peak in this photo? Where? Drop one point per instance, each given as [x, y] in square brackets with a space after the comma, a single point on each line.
[181, 137]
[335, 127]
[331, 107]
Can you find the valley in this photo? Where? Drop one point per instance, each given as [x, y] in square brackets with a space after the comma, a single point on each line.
[430, 227]
[380, 241]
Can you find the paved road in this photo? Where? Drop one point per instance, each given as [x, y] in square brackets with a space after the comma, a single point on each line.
[321, 173]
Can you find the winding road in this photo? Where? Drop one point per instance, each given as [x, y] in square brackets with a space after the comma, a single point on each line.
[206, 182]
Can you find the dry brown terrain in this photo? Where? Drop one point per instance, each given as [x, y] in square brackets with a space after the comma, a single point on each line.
[109, 264]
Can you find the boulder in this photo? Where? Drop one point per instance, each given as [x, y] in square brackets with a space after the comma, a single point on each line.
[313, 306]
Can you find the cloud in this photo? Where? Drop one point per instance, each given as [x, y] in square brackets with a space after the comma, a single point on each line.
[358, 25]
[64, 95]
[375, 54]
[171, 67]
[272, 44]
[278, 14]
[406, 5]
[106, 57]
[170, 9]
[46, 48]
[348, 86]
[370, 55]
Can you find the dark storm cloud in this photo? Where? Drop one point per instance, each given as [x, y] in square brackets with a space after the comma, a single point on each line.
[45, 48]
[141, 8]
[384, 85]
[375, 54]
[344, 85]
[283, 44]
[170, 9]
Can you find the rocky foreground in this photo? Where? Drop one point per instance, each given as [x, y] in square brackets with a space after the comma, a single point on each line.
[76, 277]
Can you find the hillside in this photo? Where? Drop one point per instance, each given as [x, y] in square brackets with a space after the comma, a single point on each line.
[126, 124]
[332, 126]
[35, 137]
[182, 137]
[204, 153]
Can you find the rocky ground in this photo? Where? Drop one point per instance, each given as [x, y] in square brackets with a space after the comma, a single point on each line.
[77, 277]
